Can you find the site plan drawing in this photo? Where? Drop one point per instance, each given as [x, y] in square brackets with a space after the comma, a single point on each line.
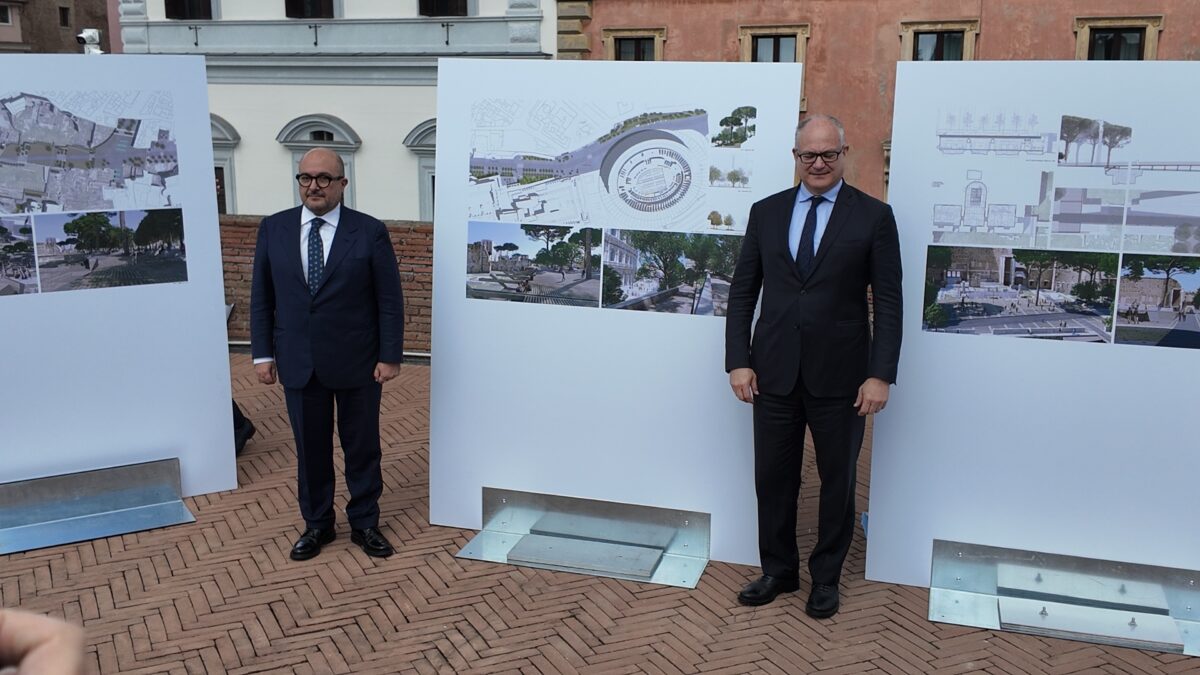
[87, 151]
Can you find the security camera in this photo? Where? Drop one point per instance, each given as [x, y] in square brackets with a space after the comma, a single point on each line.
[90, 39]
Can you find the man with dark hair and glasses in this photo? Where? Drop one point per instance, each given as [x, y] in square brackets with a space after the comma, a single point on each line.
[327, 322]
[813, 359]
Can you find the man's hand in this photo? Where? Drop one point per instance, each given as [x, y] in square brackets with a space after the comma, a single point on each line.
[33, 643]
[872, 396]
[265, 372]
[386, 371]
[744, 383]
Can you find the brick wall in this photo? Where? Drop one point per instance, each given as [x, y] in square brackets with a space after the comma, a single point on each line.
[413, 242]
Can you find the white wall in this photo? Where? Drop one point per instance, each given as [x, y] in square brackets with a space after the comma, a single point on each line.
[1061, 447]
[385, 170]
[95, 378]
[606, 404]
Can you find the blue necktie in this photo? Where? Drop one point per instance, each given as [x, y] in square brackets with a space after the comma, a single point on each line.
[316, 255]
[804, 254]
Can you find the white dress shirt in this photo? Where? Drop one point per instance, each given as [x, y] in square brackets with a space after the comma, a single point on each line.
[327, 231]
[800, 212]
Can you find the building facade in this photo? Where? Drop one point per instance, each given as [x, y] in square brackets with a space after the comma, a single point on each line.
[850, 48]
[358, 76]
[50, 26]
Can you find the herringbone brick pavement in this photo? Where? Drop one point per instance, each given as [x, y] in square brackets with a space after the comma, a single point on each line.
[221, 596]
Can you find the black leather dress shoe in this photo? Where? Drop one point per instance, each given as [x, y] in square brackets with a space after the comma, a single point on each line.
[822, 601]
[765, 588]
[309, 544]
[372, 541]
[243, 434]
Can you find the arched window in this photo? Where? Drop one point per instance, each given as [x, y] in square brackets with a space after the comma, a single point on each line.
[321, 131]
[224, 139]
[422, 141]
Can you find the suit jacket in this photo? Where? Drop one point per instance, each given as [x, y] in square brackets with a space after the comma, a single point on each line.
[356, 318]
[817, 325]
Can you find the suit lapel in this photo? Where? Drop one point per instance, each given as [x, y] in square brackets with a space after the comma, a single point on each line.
[836, 225]
[343, 241]
[291, 246]
[783, 218]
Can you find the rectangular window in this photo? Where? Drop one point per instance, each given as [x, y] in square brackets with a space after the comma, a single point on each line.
[64, 17]
[5, 17]
[938, 46]
[775, 48]
[1117, 44]
[189, 10]
[220, 174]
[309, 9]
[635, 49]
[443, 8]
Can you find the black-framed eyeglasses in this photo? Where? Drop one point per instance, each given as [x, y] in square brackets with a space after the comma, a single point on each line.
[323, 181]
[829, 156]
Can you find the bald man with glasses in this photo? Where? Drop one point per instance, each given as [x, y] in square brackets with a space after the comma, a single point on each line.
[812, 360]
[327, 323]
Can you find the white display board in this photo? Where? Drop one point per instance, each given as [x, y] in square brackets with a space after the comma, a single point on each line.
[1044, 397]
[599, 376]
[111, 295]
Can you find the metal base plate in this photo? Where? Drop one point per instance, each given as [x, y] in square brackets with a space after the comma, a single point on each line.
[585, 536]
[88, 505]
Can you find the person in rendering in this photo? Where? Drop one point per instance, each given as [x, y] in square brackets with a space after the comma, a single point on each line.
[327, 320]
[814, 361]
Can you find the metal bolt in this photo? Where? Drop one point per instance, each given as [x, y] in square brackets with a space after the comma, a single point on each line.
[958, 578]
[1122, 590]
[1133, 622]
[1038, 578]
[960, 554]
[503, 500]
[1044, 612]
[685, 522]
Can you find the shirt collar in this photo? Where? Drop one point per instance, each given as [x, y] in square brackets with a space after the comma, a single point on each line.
[803, 195]
[330, 218]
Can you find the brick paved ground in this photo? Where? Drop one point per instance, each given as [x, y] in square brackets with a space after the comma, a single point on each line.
[221, 595]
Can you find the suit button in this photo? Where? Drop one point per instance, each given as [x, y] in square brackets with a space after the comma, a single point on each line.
[803, 292]
[796, 326]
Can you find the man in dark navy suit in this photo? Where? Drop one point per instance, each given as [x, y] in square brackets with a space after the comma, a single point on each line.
[814, 361]
[327, 320]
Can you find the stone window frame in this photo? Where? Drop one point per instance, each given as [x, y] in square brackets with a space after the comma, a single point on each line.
[968, 27]
[295, 137]
[1151, 24]
[224, 139]
[801, 31]
[422, 142]
[8, 11]
[610, 36]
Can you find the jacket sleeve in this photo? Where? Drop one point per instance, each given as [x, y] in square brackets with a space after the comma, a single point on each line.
[888, 302]
[743, 297]
[262, 299]
[389, 297]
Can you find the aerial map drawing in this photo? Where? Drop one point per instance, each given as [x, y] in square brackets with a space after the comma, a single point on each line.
[86, 151]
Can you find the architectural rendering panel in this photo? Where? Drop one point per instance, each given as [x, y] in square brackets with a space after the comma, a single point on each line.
[87, 151]
[1159, 301]
[544, 264]
[644, 166]
[1024, 293]
[673, 272]
[1069, 215]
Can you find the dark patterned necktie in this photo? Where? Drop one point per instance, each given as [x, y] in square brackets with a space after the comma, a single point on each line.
[316, 255]
[804, 254]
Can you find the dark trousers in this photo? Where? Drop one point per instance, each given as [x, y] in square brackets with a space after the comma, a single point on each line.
[311, 413]
[837, 431]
